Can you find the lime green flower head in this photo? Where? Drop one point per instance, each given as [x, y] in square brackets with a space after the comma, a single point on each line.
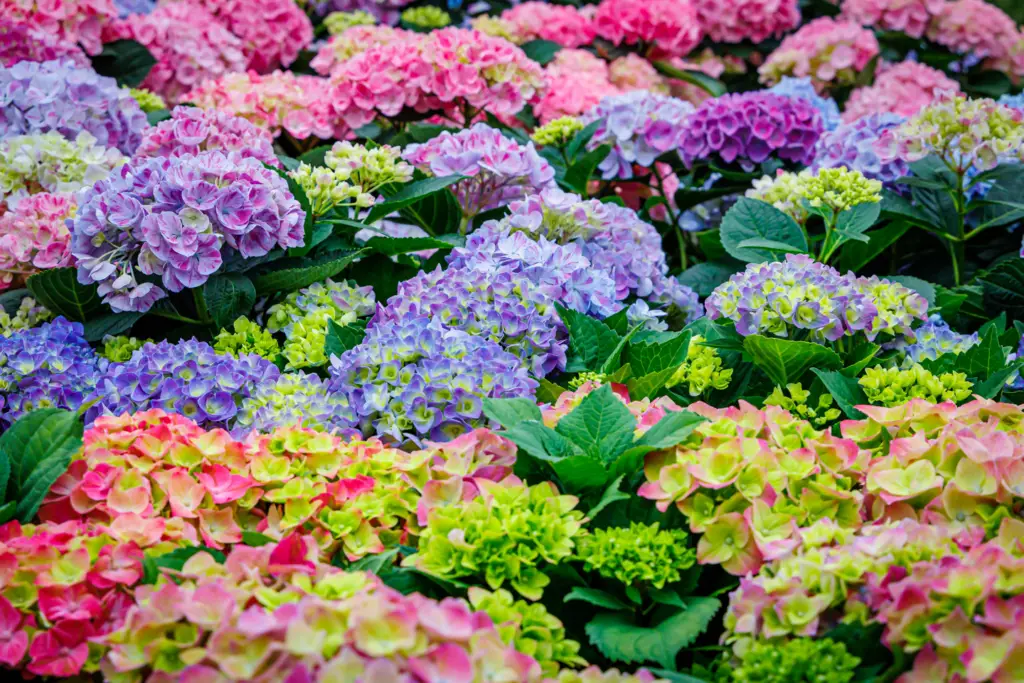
[891, 387]
[148, 101]
[47, 162]
[832, 189]
[557, 133]
[351, 175]
[529, 628]
[338, 22]
[119, 349]
[595, 379]
[702, 370]
[796, 400]
[801, 660]
[642, 555]
[28, 315]
[247, 337]
[497, 27]
[426, 17]
[508, 533]
[782, 192]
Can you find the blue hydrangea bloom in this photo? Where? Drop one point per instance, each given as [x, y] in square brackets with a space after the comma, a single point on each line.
[935, 338]
[295, 398]
[802, 87]
[128, 7]
[853, 145]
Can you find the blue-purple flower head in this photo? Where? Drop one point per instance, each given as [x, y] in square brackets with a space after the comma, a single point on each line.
[936, 338]
[498, 169]
[496, 302]
[178, 219]
[126, 8]
[294, 398]
[58, 95]
[417, 379]
[800, 297]
[640, 126]
[748, 128]
[853, 145]
[50, 366]
[804, 89]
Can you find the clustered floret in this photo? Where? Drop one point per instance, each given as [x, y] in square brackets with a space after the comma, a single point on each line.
[831, 52]
[804, 89]
[702, 371]
[891, 387]
[34, 237]
[901, 89]
[191, 130]
[642, 556]
[852, 145]
[246, 337]
[656, 28]
[25, 316]
[935, 338]
[562, 24]
[21, 41]
[351, 175]
[832, 190]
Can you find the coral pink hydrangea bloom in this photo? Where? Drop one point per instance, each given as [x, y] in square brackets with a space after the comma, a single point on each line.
[577, 81]
[733, 21]
[33, 237]
[74, 21]
[906, 16]
[662, 28]
[21, 41]
[830, 52]
[562, 24]
[191, 130]
[902, 89]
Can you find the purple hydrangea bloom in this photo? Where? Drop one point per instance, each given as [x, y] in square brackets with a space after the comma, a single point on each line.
[385, 11]
[499, 169]
[188, 378]
[935, 338]
[58, 95]
[640, 126]
[748, 128]
[853, 145]
[295, 398]
[804, 89]
[191, 130]
[128, 7]
[417, 378]
[497, 302]
[50, 366]
[178, 219]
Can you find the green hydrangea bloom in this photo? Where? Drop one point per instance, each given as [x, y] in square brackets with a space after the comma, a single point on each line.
[119, 349]
[148, 101]
[795, 399]
[530, 628]
[426, 16]
[833, 189]
[579, 380]
[351, 175]
[643, 554]
[559, 132]
[796, 661]
[892, 387]
[28, 315]
[247, 337]
[702, 369]
[507, 533]
[339, 22]
[47, 162]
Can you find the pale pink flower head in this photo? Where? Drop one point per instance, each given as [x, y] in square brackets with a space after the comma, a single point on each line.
[831, 52]
[191, 130]
[23, 41]
[34, 237]
[977, 29]
[71, 21]
[903, 89]
[660, 28]
[352, 41]
[561, 24]
[734, 21]
[905, 16]
[577, 81]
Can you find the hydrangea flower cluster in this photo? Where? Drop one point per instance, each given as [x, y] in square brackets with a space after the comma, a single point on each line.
[497, 27]
[831, 52]
[935, 338]
[852, 145]
[640, 127]
[39, 97]
[246, 337]
[505, 534]
[128, 7]
[558, 132]
[749, 128]
[755, 20]
[978, 30]
[426, 17]
[911, 17]
[303, 318]
[71, 21]
[190, 45]
[27, 315]
[562, 24]
[50, 366]
[800, 659]
[34, 237]
[702, 370]
[352, 173]
[801, 296]
[832, 189]
[577, 81]
[641, 556]
[188, 378]
[496, 303]
[149, 101]
[418, 378]
[120, 349]
[633, 72]
[660, 28]
[804, 88]
[177, 218]
[192, 130]
[383, 11]
[294, 398]
[338, 22]
[271, 32]
[20, 41]
[355, 40]
[901, 89]
[796, 400]
[498, 169]
[892, 387]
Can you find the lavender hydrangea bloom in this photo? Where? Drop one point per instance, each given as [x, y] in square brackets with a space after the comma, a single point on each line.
[640, 126]
[495, 302]
[386, 11]
[747, 128]
[935, 338]
[188, 378]
[126, 8]
[804, 89]
[178, 219]
[853, 145]
[1015, 101]
[50, 366]
[295, 398]
[58, 95]
[498, 168]
[416, 378]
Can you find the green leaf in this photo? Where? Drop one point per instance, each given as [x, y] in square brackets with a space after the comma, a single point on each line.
[845, 390]
[34, 452]
[112, 324]
[983, 359]
[392, 246]
[857, 255]
[666, 596]
[673, 428]
[255, 539]
[704, 277]
[508, 412]
[155, 117]
[621, 640]
[648, 385]
[925, 289]
[772, 245]
[286, 161]
[375, 564]
[996, 382]
[579, 474]
[316, 156]
[548, 391]
[175, 560]
[58, 289]
[580, 140]
[710, 85]
[1003, 287]
[540, 441]
[601, 425]
[611, 495]
[291, 274]
[859, 358]
[341, 338]
[597, 597]
[409, 195]
[541, 51]
[750, 219]
[785, 360]
[581, 171]
[648, 357]
[11, 300]
[855, 221]
[590, 340]
[227, 297]
[7, 511]
[126, 61]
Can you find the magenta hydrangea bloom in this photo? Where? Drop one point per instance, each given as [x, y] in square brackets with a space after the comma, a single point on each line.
[192, 130]
[178, 218]
[853, 145]
[666, 28]
[734, 21]
[59, 95]
[21, 41]
[748, 128]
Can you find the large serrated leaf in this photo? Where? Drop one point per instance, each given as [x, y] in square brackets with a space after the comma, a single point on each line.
[112, 324]
[58, 289]
[126, 61]
[228, 297]
[540, 442]
[648, 357]
[392, 246]
[591, 341]
[983, 359]
[785, 360]
[845, 390]
[341, 338]
[293, 274]
[409, 195]
[601, 426]
[508, 412]
[38, 484]
[37, 449]
[648, 385]
[1003, 288]
[596, 597]
[750, 219]
[580, 474]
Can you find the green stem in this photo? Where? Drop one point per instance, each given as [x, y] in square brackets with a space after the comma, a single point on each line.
[174, 316]
[829, 228]
[957, 248]
[201, 310]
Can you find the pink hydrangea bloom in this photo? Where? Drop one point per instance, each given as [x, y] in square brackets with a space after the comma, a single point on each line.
[191, 130]
[33, 236]
[976, 28]
[21, 41]
[906, 16]
[562, 24]
[902, 89]
[829, 51]
[663, 28]
[190, 45]
[353, 41]
[577, 81]
[74, 21]
[733, 21]
[633, 72]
